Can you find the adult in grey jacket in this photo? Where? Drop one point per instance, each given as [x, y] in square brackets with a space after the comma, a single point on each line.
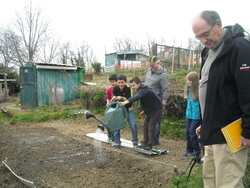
[224, 97]
[156, 79]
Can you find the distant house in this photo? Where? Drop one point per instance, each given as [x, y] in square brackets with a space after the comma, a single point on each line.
[123, 60]
[48, 84]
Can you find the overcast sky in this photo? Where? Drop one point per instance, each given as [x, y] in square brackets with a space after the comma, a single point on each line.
[100, 22]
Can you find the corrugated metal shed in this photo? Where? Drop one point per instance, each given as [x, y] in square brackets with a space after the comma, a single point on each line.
[110, 59]
[48, 84]
[130, 55]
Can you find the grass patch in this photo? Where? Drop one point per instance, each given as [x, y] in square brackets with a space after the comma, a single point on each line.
[195, 179]
[182, 74]
[178, 75]
[174, 128]
[38, 115]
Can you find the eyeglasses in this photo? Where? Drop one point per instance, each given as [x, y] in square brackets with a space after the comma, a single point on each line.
[205, 34]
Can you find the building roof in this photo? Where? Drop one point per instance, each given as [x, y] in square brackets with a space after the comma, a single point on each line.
[127, 52]
[53, 64]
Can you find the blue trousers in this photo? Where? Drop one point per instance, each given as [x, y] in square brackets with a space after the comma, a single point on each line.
[132, 123]
[191, 136]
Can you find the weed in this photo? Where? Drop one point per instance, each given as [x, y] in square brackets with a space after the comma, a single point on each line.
[195, 180]
[174, 128]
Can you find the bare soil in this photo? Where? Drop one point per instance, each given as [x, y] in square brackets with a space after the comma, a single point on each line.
[58, 154]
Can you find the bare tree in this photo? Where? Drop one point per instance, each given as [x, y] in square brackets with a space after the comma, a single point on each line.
[195, 45]
[87, 55]
[125, 43]
[90, 58]
[150, 43]
[50, 50]
[83, 56]
[65, 53]
[6, 53]
[32, 29]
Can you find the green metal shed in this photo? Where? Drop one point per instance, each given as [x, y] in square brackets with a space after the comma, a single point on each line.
[48, 84]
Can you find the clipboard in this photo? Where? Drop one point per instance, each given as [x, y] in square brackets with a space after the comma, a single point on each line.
[232, 134]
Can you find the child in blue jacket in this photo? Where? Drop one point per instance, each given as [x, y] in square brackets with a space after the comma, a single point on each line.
[192, 114]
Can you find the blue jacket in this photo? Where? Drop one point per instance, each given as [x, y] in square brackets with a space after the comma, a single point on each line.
[193, 108]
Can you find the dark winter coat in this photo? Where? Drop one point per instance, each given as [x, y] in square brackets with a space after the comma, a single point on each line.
[149, 101]
[228, 89]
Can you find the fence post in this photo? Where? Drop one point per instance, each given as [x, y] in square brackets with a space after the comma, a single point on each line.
[5, 88]
[173, 61]
[189, 59]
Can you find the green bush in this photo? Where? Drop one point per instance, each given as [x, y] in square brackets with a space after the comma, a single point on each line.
[93, 97]
[176, 106]
[97, 67]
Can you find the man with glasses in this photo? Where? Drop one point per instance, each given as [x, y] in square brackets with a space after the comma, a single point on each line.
[224, 95]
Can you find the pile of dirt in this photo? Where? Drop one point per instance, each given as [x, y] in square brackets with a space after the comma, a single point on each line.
[58, 154]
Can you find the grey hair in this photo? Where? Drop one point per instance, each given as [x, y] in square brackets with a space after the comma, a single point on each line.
[210, 16]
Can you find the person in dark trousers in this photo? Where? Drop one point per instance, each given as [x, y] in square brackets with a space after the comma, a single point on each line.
[156, 79]
[152, 107]
[224, 94]
[122, 92]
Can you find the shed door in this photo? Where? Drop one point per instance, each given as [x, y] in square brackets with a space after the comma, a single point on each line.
[28, 92]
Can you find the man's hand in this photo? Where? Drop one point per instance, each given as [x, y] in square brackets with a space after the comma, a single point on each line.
[198, 130]
[244, 142]
[164, 102]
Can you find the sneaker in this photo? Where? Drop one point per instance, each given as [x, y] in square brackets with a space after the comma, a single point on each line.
[202, 159]
[147, 147]
[135, 144]
[187, 154]
[199, 160]
[117, 146]
[156, 143]
[109, 141]
[143, 144]
[195, 153]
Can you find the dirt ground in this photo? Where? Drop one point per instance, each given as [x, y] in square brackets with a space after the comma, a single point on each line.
[58, 154]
